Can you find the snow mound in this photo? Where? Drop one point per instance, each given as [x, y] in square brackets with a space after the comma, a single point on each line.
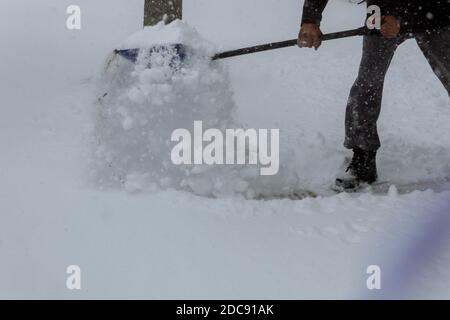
[140, 107]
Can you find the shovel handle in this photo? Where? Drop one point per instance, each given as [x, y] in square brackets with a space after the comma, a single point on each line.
[290, 43]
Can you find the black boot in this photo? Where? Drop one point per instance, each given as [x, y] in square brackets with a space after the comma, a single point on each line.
[362, 170]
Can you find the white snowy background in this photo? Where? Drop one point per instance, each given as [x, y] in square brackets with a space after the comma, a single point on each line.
[174, 244]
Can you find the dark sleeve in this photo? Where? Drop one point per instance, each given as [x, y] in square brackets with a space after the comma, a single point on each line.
[391, 7]
[312, 11]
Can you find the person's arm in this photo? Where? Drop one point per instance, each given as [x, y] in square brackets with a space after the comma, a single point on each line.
[312, 11]
[310, 34]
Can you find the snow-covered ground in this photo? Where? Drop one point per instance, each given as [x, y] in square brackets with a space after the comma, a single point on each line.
[174, 244]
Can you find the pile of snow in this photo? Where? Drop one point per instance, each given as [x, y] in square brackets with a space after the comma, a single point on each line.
[141, 106]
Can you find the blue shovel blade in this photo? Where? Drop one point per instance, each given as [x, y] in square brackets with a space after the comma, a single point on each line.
[178, 51]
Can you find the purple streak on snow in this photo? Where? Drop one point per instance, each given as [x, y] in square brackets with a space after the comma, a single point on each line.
[416, 255]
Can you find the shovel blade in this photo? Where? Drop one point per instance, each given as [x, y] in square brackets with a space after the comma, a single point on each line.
[178, 52]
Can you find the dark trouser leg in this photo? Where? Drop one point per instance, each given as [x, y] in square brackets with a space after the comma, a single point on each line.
[364, 103]
[436, 48]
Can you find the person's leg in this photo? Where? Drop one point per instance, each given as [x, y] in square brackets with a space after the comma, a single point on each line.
[436, 48]
[364, 104]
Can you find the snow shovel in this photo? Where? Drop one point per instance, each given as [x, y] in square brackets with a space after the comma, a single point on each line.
[180, 51]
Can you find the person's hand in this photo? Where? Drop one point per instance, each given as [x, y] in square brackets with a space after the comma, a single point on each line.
[310, 36]
[390, 27]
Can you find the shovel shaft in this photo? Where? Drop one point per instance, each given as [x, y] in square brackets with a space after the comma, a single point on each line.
[290, 43]
[179, 51]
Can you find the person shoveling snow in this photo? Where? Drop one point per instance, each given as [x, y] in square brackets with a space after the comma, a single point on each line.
[164, 78]
[426, 21]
